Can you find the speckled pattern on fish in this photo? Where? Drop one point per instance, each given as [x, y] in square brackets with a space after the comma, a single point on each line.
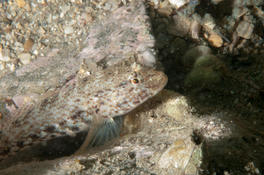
[103, 94]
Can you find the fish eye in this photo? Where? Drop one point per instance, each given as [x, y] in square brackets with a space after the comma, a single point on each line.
[135, 81]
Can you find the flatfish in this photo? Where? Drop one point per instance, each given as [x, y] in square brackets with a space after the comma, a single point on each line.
[90, 101]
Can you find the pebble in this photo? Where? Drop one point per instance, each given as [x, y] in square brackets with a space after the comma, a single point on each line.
[245, 29]
[208, 21]
[28, 45]
[259, 12]
[2, 66]
[216, 1]
[68, 30]
[4, 57]
[148, 58]
[180, 27]
[195, 29]
[215, 40]
[237, 12]
[24, 58]
[193, 54]
[156, 2]
[205, 74]
[166, 11]
[178, 3]
[20, 3]
[11, 66]
[177, 155]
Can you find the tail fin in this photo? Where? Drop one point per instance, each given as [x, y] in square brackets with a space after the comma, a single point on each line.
[101, 132]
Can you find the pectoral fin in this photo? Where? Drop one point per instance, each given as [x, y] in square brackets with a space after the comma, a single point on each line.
[101, 132]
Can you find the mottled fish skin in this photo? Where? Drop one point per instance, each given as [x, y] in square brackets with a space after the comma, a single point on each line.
[111, 92]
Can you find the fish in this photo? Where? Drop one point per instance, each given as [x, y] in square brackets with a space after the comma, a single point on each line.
[91, 101]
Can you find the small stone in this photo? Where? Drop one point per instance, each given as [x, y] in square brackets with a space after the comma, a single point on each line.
[11, 67]
[176, 106]
[28, 45]
[239, 12]
[206, 73]
[208, 21]
[193, 54]
[43, 2]
[86, 18]
[2, 66]
[215, 2]
[20, 3]
[195, 29]
[178, 3]
[24, 58]
[8, 29]
[215, 40]
[156, 2]
[35, 52]
[68, 30]
[177, 155]
[27, 7]
[245, 29]
[259, 12]
[180, 27]
[166, 11]
[148, 58]
[4, 57]
[164, 4]
[41, 30]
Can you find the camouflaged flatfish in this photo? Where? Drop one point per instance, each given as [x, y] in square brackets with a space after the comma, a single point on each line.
[100, 95]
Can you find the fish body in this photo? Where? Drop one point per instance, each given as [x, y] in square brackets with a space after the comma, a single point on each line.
[100, 96]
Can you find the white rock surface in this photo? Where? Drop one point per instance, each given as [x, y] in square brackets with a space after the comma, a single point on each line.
[178, 3]
[24, 58]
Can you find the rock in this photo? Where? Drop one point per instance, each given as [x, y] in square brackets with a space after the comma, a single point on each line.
[11, 66]
[245, 29]
[180, 27]
[166, 11]
[216, 1]
[239, 12]
[208, 21]
[68, 30]
[215, 40]
[193, 54]
[195, 29]
[28, 45]
[206, 73]
[177, 155]
[178, 3]
[20, 3]
[175, 107]
[2, 66]
[24, 58]
[4, 57]
[205, 61]
[148, 58]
